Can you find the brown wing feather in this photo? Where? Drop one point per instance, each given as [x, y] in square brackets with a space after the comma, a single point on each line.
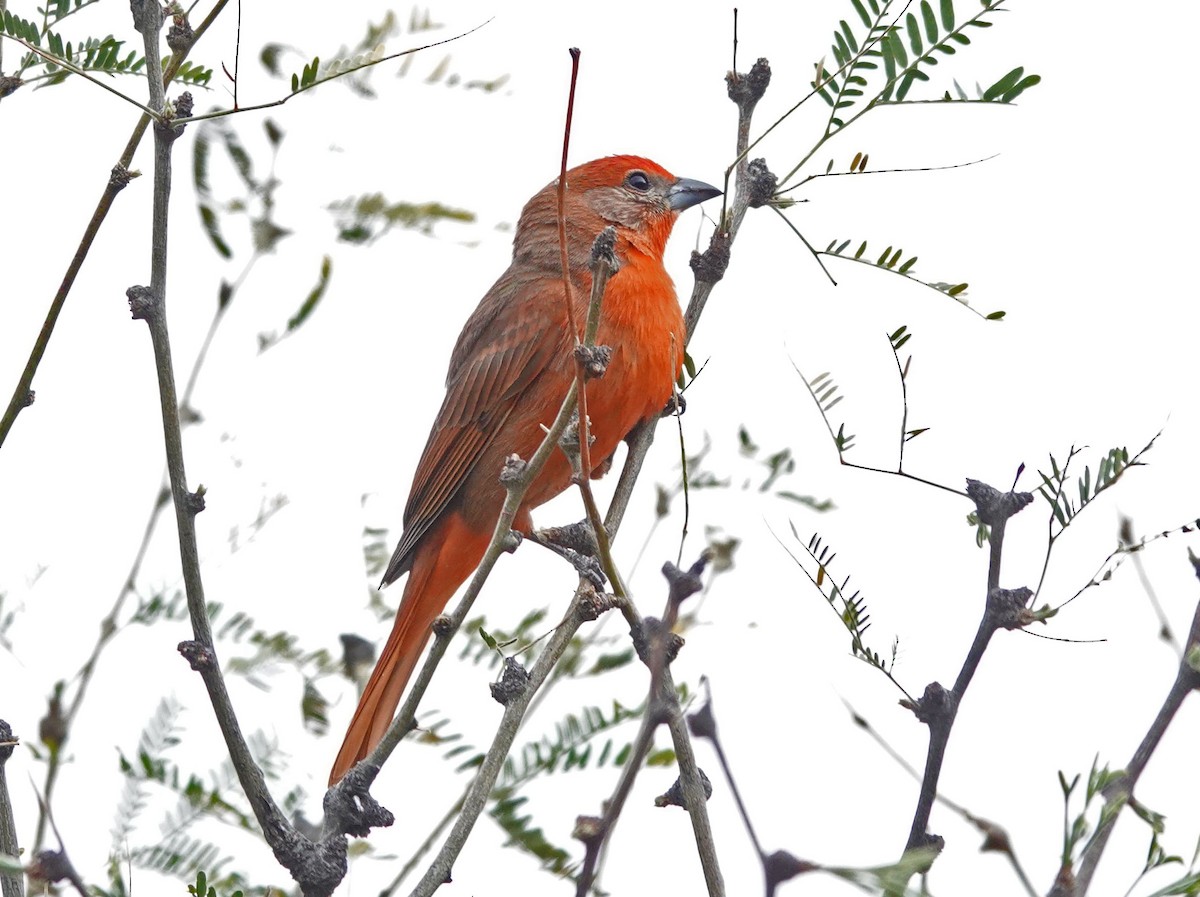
[502, 349]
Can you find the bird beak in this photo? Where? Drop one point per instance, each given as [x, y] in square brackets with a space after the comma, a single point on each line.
[685, 193]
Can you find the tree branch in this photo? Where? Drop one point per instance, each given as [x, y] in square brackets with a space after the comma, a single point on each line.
[1119, 792]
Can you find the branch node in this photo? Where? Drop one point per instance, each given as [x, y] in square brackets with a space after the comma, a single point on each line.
[120, 176]
[994, 506]
[761, 183]
[1007, 608]
[180, 35]
[747, 88]
[443, 625]
[350, 808]
[590, 602]
[593, 360]
[513, 472]
[512, 541]
[650, 634]
[142, 303]
[935, 706]
[7, 741]
[673, 796]
[709, 266]
[181, 108]
[9, 84]
[685, 583]
[199, 657]
[588, 829]
[604, 250]
[195, 502]
[513, 682]
[30, 395]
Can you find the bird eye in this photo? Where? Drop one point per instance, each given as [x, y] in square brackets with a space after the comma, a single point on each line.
[638, 181]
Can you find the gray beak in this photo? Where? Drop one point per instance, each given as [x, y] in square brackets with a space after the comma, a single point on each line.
[685, 193]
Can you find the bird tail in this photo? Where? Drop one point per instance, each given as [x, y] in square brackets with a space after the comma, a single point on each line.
[443, 560]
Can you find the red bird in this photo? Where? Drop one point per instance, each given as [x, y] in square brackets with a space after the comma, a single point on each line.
[509, 372]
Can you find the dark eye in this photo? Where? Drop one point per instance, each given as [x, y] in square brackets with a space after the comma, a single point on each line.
[638, 181]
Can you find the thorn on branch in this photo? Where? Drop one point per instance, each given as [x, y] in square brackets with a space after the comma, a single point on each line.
[593, 360]
[994, 506]
[761, 184]
[673, 796]
[200, 658]
[935, 706]
[747, 88]
[142, 304]
[513, 682]
[709, 266]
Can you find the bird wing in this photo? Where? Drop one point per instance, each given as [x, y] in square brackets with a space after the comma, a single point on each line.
[505, 346]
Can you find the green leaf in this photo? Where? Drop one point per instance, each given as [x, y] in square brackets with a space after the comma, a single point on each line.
[995, 316]
[1005, 84]
[488, 640]
[907, 266]
[862, 13]
[1021, 86]
[208, 218]
[931, 28]
[914, 34]
[850, 41]
[948, 15]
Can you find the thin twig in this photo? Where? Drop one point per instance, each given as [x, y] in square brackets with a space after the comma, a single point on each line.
[938, 708]
[514, 711]
[10, 885]
[1120, 791]
[119, 177]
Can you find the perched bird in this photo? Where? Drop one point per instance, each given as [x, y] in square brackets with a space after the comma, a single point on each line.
[509, 372]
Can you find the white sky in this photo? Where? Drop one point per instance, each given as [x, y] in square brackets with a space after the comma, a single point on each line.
[1079, 230]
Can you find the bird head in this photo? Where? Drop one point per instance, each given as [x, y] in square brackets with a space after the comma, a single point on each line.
[638, 197]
